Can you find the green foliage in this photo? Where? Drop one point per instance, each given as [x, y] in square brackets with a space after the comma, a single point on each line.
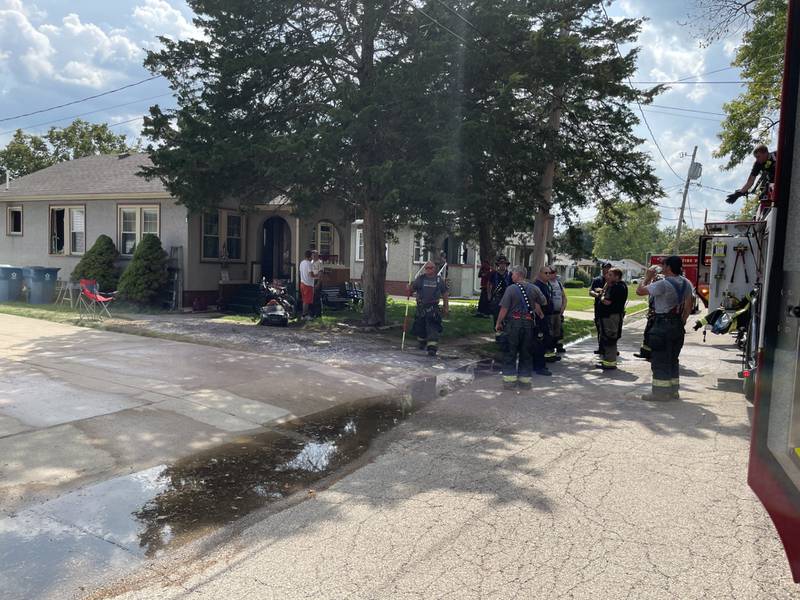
[25, 153]
[583, 276]
[689, 243]
[146, 275]
[752, 117]
[98, 263]
[576, 241]
[630, 231]
[574, 283]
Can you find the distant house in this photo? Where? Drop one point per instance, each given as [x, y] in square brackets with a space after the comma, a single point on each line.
[631, 269]
[566, 266]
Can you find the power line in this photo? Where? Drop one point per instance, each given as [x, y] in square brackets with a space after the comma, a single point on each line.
[702, 112]
[43, 110]
[739, 82]
[91, 112]
[700, 185]
[696, 118]
[639, 104]
[434, 21]
[128, 121]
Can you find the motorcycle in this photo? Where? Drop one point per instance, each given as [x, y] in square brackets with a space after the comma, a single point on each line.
[278, 306]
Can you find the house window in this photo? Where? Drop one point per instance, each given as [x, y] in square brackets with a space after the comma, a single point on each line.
[14, 220]
[67, 230]
[77, 230]
[211, 235]
[325, 239]
[422, 251]
[223, 236]
[134, 222]
[359, 245]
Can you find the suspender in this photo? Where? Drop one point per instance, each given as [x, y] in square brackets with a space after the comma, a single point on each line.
[680, 292]
[524, 297]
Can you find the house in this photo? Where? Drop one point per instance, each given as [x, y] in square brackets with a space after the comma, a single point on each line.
[631, 269]
[51, 217]
[567, 266]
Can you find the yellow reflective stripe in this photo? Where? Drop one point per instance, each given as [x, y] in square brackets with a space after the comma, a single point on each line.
[797, 451]
[433, 343]
[510, 378]
[524, 379]
[609, 363]
[662, 383]
[646, 348]
[549, 354]
[675, 381]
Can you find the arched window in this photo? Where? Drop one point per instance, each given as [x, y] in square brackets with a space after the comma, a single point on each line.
[325, 239]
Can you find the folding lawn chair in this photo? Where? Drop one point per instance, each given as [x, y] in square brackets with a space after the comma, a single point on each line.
[91, 302]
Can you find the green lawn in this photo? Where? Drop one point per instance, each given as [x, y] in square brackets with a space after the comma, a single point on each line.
[579, 299]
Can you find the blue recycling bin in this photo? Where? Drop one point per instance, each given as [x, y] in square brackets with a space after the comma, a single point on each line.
[41, 284]
[10, 283]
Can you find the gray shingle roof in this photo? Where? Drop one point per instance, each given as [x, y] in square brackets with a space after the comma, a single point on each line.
[97, 175]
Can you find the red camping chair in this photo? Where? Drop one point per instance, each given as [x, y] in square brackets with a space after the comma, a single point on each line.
[92, 302]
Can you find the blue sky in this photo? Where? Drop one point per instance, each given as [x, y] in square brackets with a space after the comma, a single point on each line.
[52, 52]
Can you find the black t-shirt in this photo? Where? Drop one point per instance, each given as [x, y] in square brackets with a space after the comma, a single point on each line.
[547, 292]
[597, 282]
[767, 166]
[618, 294]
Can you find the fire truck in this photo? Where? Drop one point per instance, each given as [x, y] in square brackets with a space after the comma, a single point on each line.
[758, 261]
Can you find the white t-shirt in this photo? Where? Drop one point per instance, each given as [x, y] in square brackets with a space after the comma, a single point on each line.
[305, 273]
[316, 268]
[665, 297]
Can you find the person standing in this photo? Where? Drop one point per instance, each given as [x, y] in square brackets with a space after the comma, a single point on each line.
[542, 282]
[429, 288]
[611, 313]
[306, 285]
[316, 273]
[673, 300]
[559, 306]
[644, 350]
[766, 163]
[596, 292]
[484, 305]
[521, 303]
[499, 281]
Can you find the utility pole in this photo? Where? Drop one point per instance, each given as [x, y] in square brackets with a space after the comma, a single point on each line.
[692, 174]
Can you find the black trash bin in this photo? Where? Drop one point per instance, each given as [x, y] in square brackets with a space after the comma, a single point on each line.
[10, 283]
[41, 284]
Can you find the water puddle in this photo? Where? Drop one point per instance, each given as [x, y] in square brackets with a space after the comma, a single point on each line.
[482, 368]
[90, 532]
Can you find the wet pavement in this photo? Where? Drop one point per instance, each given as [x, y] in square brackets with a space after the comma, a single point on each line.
[54, 549]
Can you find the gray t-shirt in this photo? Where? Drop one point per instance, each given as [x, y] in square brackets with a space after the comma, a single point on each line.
[429, 289]
[665, 297]
[558, 295]
[513, 301]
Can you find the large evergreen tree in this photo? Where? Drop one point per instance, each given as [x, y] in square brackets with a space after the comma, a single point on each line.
[314, 100]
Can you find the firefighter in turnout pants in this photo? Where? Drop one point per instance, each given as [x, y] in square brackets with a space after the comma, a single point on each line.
[520, 302]
[429, 288]
[672, 300]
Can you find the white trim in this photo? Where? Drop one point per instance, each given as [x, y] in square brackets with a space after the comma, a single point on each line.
[425, 253]
[9, 210]
[67, 243]
[359, 256]
[222, 236]
[138, 224]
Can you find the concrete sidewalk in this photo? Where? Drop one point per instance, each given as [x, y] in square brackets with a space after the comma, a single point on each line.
[79, 405]
[575, 490]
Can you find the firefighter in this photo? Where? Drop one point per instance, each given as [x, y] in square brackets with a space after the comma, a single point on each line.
[611, 312]
[521, 303]
[672, 299]
[499, 280]
[542, 282]
[644, 349]
[429, 288]
[765, 163]
[596, 292]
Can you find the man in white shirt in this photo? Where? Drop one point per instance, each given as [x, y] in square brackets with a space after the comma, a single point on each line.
[306, 284]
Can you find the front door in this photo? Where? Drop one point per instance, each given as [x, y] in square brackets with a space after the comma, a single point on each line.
[276, 255]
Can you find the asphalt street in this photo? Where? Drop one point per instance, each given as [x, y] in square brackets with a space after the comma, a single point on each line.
[576, 489]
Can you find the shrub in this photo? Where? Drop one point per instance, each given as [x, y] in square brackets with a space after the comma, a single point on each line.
[98, 263]
[145, 277]
[574, 283]
[583, 276]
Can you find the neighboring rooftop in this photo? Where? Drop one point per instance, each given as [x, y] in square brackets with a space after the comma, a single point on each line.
[93, 175]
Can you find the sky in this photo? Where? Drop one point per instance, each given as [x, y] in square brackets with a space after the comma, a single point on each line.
[54, 52]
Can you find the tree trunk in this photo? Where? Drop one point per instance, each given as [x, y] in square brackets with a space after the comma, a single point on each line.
[485, 245]
[374, 277]
[541, 227]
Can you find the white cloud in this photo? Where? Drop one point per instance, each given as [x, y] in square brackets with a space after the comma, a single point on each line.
[161, 18]
[25, 52]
